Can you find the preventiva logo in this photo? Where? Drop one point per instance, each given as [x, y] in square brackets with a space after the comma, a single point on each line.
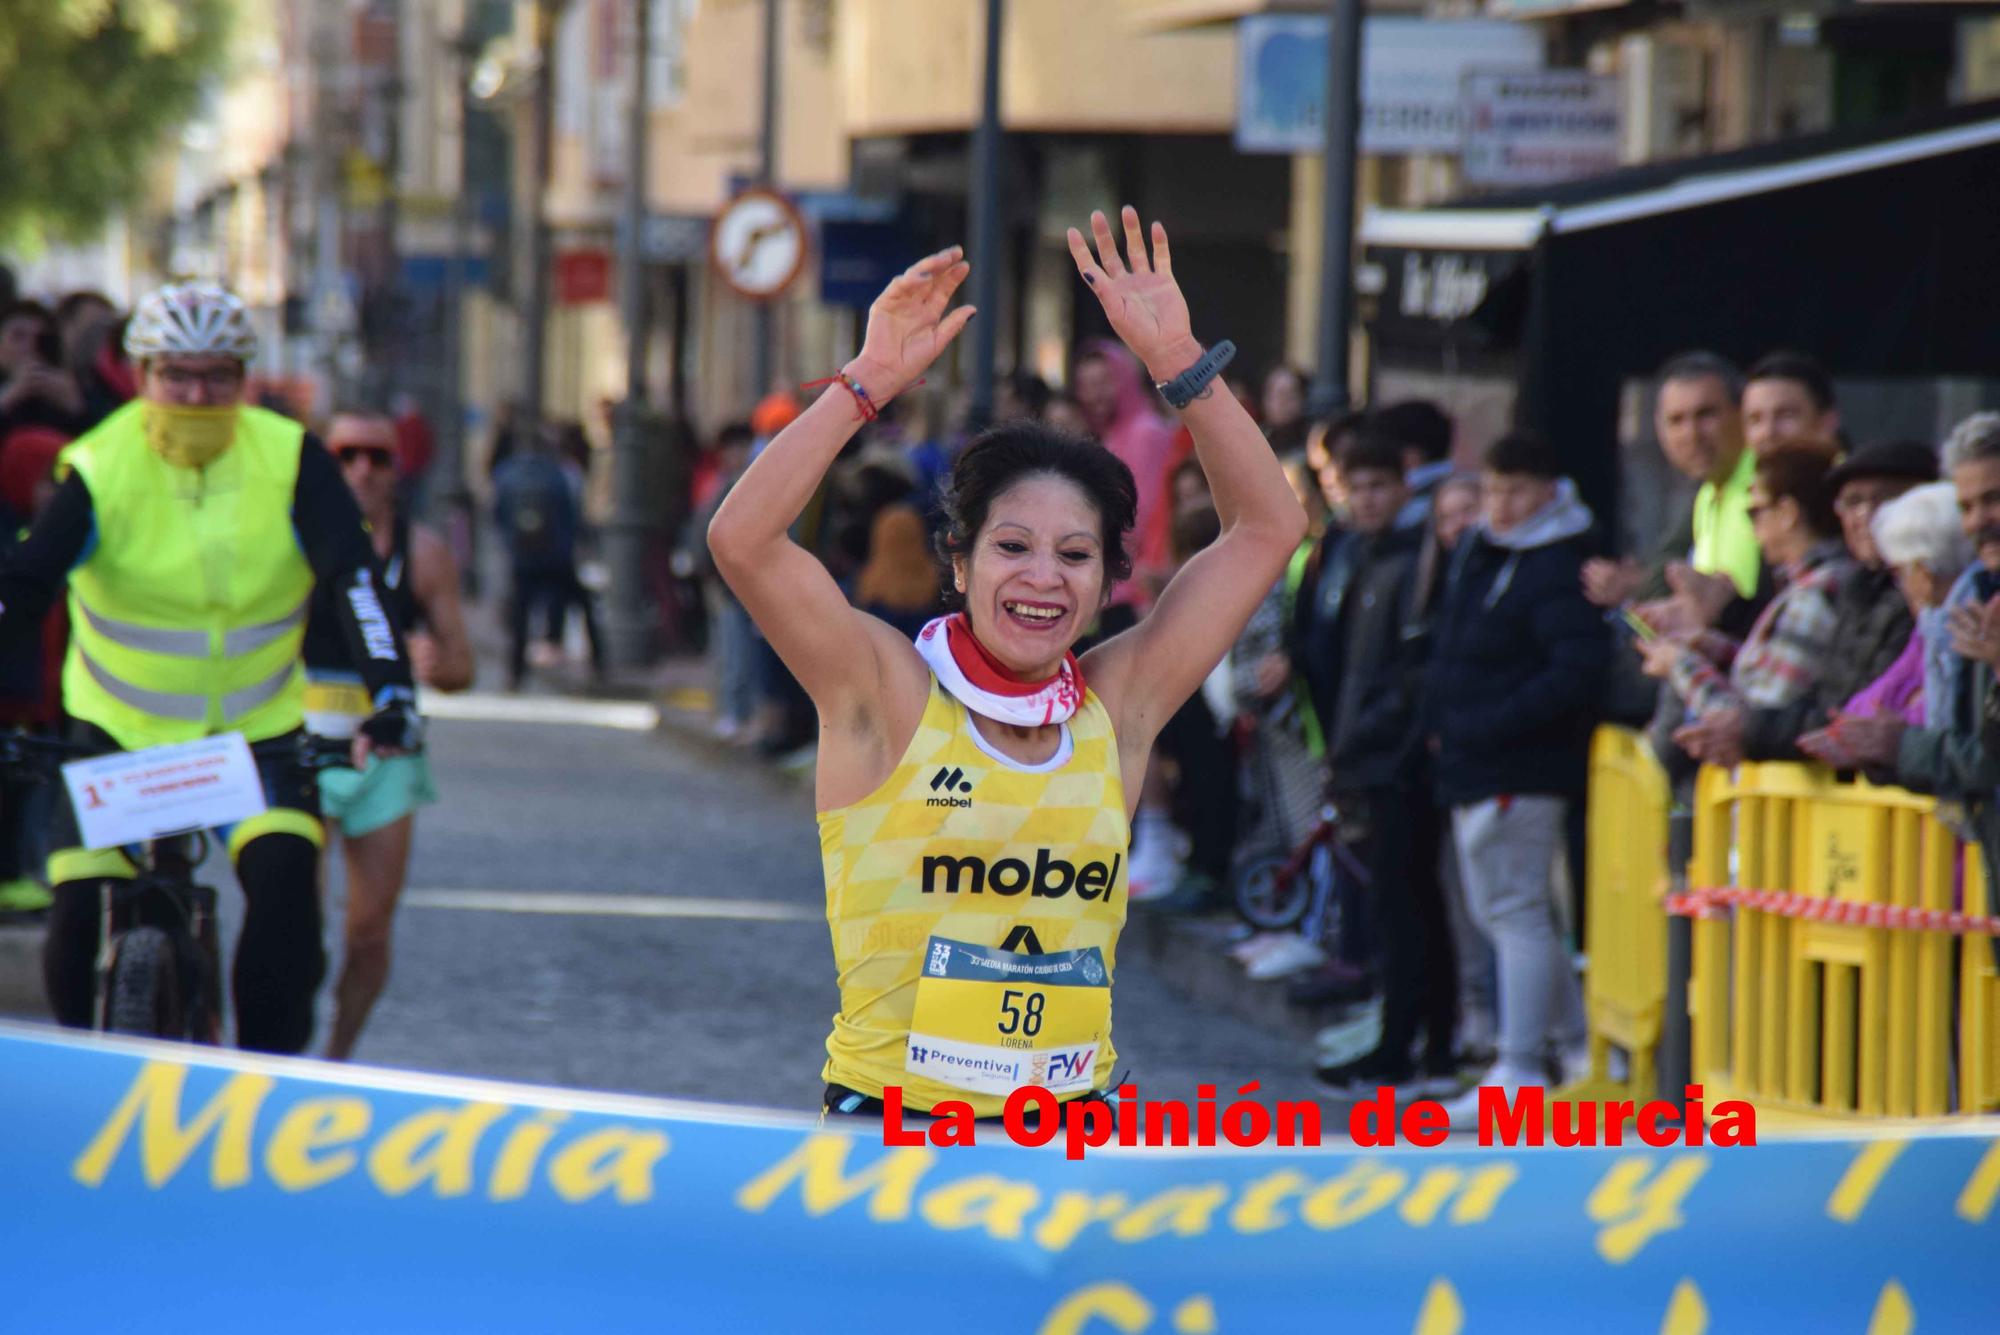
[945, 782]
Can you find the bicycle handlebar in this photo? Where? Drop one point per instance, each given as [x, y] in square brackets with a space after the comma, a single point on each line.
[27, 755]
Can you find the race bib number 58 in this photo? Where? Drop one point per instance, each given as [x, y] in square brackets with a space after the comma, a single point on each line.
[990, 1021]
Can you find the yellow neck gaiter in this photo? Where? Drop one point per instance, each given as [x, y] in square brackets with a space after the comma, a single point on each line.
[189, 437]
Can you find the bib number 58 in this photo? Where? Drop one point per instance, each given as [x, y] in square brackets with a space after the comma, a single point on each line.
[1020, 1016]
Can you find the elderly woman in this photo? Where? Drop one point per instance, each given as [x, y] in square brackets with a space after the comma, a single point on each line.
[1798, 532]
[1921, 539]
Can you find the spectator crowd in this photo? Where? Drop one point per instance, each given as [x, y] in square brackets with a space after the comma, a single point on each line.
[1410, 711]
[1385, 779]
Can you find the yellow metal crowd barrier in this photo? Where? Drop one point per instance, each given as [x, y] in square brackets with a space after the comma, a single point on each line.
[1625, 931]
[1803, 1015]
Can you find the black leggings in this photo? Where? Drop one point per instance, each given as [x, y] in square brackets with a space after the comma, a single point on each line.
[1205, 798]
[1413, 943]
[280, 956]
[554, 592]
[280, 961]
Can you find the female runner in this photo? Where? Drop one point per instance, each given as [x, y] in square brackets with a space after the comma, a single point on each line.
[974, 810]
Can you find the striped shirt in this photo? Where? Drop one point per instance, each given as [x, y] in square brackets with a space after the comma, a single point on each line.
[1781, 657]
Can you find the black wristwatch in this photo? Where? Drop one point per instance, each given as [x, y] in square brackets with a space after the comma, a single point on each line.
[1184, 388]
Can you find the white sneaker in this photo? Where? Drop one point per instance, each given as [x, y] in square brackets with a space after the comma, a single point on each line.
[1284, 959]
[1156, 867]
[1353, 1038]
[1464, 1110]
[1574, 1064]
[1245, 951]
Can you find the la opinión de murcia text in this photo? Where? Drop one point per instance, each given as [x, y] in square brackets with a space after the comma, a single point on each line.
[1033, 1116]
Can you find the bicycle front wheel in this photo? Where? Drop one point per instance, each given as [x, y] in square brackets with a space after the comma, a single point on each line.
[1269, 899]
[145, 986]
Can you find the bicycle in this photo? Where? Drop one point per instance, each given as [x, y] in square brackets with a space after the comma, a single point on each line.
[159, 965]
[1274, 894]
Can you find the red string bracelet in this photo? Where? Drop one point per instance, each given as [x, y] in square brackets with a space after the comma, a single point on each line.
[862, 401]
[847, 382]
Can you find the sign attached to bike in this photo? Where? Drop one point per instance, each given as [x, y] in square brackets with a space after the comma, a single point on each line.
[133, 796]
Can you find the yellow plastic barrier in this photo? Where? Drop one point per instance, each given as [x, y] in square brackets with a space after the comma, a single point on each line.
[1979, 1000]
[1825, 1019]
[1625, 933]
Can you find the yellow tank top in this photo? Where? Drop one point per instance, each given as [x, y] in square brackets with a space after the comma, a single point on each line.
[982, 899]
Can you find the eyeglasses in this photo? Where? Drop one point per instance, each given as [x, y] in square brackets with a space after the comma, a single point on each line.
[1853, 503]
[375, 455]
[216, 380]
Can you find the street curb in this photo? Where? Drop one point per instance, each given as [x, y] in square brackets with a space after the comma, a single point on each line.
[21, 971]
[694, 729]
[1192, 956]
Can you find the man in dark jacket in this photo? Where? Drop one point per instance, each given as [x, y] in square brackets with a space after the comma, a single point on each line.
[1518, 658]
[1373, 741]
[1872, 621]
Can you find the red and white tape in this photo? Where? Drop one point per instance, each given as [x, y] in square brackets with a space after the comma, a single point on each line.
[1710, 902]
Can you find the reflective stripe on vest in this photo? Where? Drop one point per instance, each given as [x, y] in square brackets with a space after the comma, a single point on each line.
[186, 708]
[190, 643]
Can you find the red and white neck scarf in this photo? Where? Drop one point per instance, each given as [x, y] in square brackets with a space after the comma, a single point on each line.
[977, 681]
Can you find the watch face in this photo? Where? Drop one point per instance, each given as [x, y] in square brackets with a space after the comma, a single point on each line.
[759, 243]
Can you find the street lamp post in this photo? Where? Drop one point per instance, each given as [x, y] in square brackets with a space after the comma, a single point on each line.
[1341, 120]
[762, 354]
[986, 224]
[628, 626]
[535, 310]
[451, 462]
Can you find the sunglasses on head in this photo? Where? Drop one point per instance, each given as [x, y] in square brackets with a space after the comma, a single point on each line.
[376, 456]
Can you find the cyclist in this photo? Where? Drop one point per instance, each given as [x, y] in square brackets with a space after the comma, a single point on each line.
[974, 817]
[374, 810]
[191, 530]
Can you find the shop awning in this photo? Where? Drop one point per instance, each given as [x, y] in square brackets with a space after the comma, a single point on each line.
[1877, 252]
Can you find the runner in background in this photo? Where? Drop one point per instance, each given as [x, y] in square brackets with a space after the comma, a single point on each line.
[374, 810]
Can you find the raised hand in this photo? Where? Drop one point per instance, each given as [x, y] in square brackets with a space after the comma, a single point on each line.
[1609, 583]
[908, 327]
[1703, 596]
[1975, 631]
[1138, 293]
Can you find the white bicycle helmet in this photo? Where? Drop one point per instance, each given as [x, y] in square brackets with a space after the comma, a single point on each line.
[190, 318]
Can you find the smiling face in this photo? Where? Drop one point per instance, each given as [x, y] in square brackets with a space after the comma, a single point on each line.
[1978, 484]
[1779, 412]
[1034, 576]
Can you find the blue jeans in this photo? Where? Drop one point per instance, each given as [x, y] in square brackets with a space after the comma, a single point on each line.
[735, 668]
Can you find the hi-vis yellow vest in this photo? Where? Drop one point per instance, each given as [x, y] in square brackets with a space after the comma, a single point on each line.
[940, 883]
[188, 610]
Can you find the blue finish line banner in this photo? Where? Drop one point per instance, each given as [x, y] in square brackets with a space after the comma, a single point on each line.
[142, 1181]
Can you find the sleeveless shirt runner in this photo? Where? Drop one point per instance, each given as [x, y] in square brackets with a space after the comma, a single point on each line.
[975, 904]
